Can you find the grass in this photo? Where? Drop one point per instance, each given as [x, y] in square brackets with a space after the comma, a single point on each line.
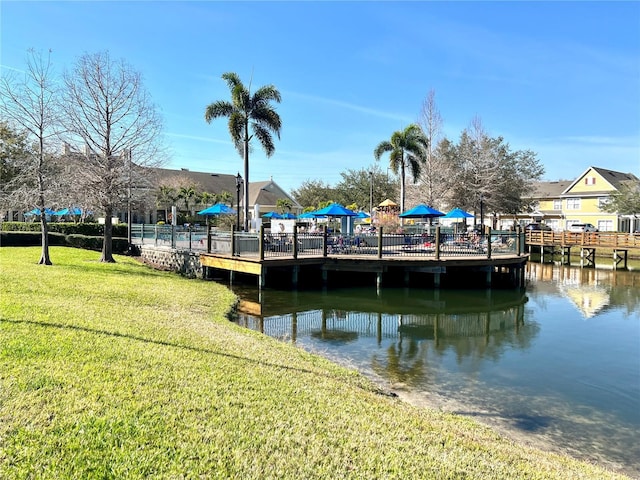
[120, 371]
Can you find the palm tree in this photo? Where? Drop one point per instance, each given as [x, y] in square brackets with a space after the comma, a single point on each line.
[207, 199]
[248, 112]
[165, 197]
[283, 205]
[187, 194]
[406, 152]
[226, 198]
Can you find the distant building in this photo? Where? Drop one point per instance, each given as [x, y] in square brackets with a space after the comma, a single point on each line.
[561, 204]
[263, 195]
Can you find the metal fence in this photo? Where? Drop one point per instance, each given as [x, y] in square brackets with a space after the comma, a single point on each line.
[269, 245]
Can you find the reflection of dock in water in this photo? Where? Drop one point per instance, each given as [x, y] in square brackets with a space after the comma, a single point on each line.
[341, 319]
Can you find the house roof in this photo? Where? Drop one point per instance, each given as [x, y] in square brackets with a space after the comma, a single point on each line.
[550, 189]
[613, 178]
[262, 193]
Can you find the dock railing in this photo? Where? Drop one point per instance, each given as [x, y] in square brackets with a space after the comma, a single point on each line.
[266, 244]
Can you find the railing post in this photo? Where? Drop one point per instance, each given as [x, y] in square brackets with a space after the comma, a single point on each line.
[155, 236]
[208, 238]
[438, 242]
[233, 240]
[295, 242]
[518, 241]
[189, 237]
[380, 242]
[324, 240]
[488, 242]
[261, 243]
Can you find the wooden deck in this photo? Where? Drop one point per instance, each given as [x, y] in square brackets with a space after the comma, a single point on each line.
[452, 271]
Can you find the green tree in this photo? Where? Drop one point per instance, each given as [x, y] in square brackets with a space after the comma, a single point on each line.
[283, 205]
[406, 150]
[166, 196]
[249, 116]
[207, 199]
[366, 187]
[225, 197]
[625, 201]
[312, 193]
[186, 194]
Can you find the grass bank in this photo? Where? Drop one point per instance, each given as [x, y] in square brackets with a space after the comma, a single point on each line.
[120, 371]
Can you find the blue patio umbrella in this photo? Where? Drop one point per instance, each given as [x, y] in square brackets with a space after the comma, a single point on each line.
[362, 214]
[307, 215]
[272, 215]
[66, 211]
[458, 213]
[422, 211]
[335, 210]
[36, 211]
[288, 216]
[217, 209]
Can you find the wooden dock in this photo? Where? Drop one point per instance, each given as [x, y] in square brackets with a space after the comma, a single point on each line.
[561, 243]
[493, 259]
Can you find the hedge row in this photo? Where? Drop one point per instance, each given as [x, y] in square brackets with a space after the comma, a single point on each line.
[66, 228]
[88, 242]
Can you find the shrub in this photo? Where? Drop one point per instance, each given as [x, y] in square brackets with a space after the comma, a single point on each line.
[66, 228]
[29, 239]
[33, 239]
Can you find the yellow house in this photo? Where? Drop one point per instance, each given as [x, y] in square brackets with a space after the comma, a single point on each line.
[582, 201]
[563, 203]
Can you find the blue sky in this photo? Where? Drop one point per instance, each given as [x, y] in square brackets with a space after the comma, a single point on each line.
[559, 78]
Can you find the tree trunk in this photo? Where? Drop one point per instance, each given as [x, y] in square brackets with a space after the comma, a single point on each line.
[44, 257]
[107, 246]
[402, 174]
[246, 183]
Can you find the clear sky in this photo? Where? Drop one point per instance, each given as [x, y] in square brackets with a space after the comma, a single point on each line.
[559, 78]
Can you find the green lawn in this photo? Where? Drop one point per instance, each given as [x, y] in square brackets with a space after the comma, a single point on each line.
[120, 371]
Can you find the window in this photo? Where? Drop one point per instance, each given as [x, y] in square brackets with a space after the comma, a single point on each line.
[573, 204]
[605, 225]
[590, 180]
[557, 204]
[602, 201]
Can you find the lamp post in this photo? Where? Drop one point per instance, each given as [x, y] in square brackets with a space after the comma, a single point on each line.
[482, 212]
[238, 185]
[371, 193]
[129, 246]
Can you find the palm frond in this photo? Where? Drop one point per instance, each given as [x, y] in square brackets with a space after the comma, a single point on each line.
[265, 138]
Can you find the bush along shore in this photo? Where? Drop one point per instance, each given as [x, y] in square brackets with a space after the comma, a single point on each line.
[122, 371]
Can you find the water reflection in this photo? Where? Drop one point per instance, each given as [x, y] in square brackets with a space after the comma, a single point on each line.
[523, 361]
[413, 326]
[591, 291]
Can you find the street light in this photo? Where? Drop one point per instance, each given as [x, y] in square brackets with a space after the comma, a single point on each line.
[129, 245]
[482, 212]
[371, 193]
[238, 185]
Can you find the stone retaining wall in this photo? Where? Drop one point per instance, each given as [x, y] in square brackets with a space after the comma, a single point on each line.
[165, 258]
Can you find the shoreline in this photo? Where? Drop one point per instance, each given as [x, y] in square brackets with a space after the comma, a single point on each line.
[500, 424]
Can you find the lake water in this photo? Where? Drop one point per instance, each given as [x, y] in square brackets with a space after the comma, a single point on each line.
[556, 365]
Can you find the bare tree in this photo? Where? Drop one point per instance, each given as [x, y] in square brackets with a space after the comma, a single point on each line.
[111, 116]
[29, 104]
[488, 174]
[435, 177]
